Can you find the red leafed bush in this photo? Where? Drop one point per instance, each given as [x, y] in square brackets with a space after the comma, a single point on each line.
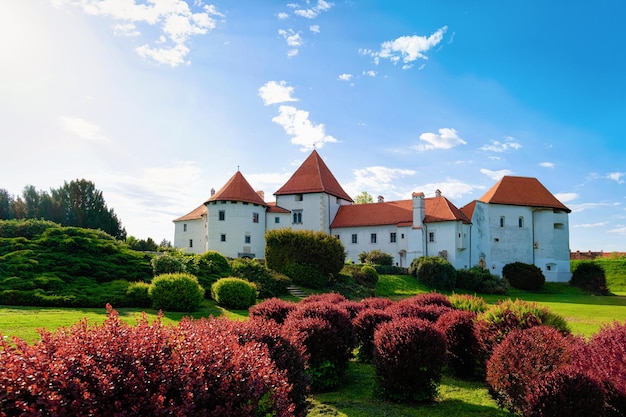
[566, 391]
[365, 323]
[272, 309]
[328, 297]
[462, 354]
[376, 302]
[325, 333]
[522, 359]
[353, 308]
[604, 356]
[432, 298]
[413, 307]
[148, 369]
[409, 354]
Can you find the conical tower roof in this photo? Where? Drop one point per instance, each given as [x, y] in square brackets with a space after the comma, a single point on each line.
[237, 189]
[313, 176]
[522, 191]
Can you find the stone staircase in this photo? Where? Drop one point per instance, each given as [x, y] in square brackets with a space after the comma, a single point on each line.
[297, 291]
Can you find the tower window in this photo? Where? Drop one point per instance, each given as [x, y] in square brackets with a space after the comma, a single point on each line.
[222, 215]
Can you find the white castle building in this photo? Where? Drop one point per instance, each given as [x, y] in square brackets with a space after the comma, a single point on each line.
[518, 219]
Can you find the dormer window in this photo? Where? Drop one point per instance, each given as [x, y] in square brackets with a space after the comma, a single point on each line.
[298, 197]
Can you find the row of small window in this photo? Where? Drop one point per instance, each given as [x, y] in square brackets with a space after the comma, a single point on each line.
[222, 216]
[374, 237]
[520, 221]
[246, 239]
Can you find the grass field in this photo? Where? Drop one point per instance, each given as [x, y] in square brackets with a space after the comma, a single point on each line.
[585, 314]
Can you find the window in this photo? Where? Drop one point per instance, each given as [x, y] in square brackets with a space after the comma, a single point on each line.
[255, 217]
[354, 239]
[297, 216]
[520, 221]
[276, 219]
[247, 239]
[223, 237]
[392, 237]
[185, 227]
[337, 237]
[501, 221]
[402, 236]
[222, 215]
[373, 238]
[191, 243]
[431, 236]
[298, 197]
[559, 226]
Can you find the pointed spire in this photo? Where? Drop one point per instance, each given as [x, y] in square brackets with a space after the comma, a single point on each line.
[237, 189]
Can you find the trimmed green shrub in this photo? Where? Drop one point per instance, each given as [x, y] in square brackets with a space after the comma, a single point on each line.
[589, 276]
[468, 302]
[208, 267]
[366, 276]
[306, 275]
[232, 292]
[176, 292]
[409, 355]
[434, 271]
[137, 295]
[524, 276]
[167, 263]
[269, 283]
[480, 280]
[376, 257]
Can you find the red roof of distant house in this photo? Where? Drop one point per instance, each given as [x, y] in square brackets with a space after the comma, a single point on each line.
[400, 213]
[273, 208]
[522, 191]
[313, 176]
[237, 189]
[195, 214]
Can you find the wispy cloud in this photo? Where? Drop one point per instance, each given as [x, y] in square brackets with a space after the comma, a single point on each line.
[406, 49]
[370, 73]
[566, 197]
[293, 39]
[378, 180]
[620, 230]
[496, 175]
[83, 129]
[546, 164]
[273, 92]
[577, 208]
[509, 143]
[314, 11]
[447, 138]
[314, 28]
[590, 225]
[176, 20]
[451, 188]
[345, 77]
[617, 176]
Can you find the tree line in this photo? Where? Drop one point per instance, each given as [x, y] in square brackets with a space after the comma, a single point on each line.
[77, 203]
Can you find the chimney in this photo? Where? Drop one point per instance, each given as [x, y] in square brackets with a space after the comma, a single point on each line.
[438, 193]
[212, 192]
[418, 209]
[261, 194]
[381, 199]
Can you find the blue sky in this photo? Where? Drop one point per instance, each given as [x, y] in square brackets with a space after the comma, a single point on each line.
[159, 101]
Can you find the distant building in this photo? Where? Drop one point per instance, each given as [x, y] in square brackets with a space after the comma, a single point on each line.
[517, 220]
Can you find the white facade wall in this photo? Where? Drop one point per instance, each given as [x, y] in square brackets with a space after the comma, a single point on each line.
[397, 249]
[317, 210]
[191, 235]
[283, 222]
[450, 240]
[552, 252]
[228, 236]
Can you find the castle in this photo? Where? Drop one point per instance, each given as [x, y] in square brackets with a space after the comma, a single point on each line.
[518, 219]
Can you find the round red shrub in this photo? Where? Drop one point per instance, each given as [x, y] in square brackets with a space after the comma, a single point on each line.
[566, 391]
[353, 308]
[365, 323]
[462, 353]
[409, 354]
[272, 309]
[433, 298]
[376, 302]
[412, 307]
[523, 358]
[329, 297]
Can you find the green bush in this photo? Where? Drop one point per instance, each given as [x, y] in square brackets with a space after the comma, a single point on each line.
[524, 276]
[306, 275]
[367, 276]
[167, 263]
[208, 267]
[137, 295]
[589, 276]
[468, 302]
[480, 280]
[269, 283]
[176, 292]
[376, 257]
[434, 271]
[232, 292]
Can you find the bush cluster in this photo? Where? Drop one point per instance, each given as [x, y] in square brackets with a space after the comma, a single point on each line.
[462, 344]
[434, 271]
[269, 283]
[480, 280]
[305, 275]
[468, 302]
[365, 324]
[589, 276]
[376, 257]
[273, 309]
[527, 277]
[235, 293]
[366, 276]
[176, 292]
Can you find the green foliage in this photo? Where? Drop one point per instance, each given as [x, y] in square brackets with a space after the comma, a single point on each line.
[232, 292]
[367, 276]
[306, 275]
[208, 267]
[137, 295]
[614, 269]
[176, 292]
[363, 198]
[480, 280]
[269, 283]
[468, 302]
[376, 257]
[524, 276]
[167, 263]
[316, 249]
[434, 271]
[589, 276]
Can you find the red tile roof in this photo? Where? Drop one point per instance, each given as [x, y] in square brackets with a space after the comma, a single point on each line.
[522, 191]
[468, 209]
[195, 214]
[273, 208]
[399, 213]
[313, 176]
[237, 189]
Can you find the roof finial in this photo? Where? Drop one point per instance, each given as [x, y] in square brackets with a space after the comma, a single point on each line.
[237, 168]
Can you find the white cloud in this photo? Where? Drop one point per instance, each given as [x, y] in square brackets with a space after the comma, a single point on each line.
[406, 49]
[547, 164]
[617, 176]
[496, 175]
[345, 77]
[83, 129]
[620, 230]
[314, 28]
[591, 225]
[282, 15]
[566, 197]
[378, 180]
[293, 39]
[304, 133]
[273, 92]
[177, 22]
[314, 11]
[577, 208]
[446, 139]
[510, 143]
[451, 188]
[370, 73]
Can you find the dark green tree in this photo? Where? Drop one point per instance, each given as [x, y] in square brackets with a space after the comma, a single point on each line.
[5, 204]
